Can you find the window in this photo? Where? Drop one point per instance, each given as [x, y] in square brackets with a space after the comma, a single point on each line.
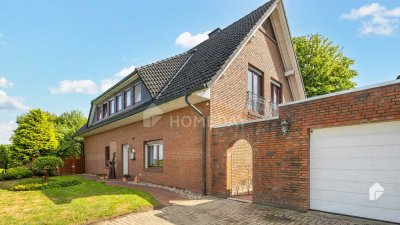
[256, 101]
[154, 154]
[138, 93]
[106, 155]
[119, 103]
[98, 113]
[276, 95]
[111, 104]
[105, 110]
[128, 97]
[255, 82]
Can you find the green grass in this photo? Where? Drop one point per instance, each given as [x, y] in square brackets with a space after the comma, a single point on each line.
[82, 203]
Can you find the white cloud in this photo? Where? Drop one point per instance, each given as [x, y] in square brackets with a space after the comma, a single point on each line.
[6, 130]
[107, 83]
[89, 86]
[376, 19]
[187, 40]
[10, 102]
[125, 71]
[74, 86]
[4, 83]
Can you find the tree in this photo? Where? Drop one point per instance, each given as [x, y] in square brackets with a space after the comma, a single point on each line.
[4, 156]
[34, 137]
[323, 65]
[66, 125]
[47, 165]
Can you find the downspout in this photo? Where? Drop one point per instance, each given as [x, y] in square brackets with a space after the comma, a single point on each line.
[203, 147]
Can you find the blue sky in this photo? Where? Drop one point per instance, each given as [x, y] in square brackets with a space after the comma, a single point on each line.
[58, 55]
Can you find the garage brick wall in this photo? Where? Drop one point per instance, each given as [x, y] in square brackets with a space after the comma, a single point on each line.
[281, 163]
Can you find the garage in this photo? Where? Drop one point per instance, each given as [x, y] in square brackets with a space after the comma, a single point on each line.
[345, 162]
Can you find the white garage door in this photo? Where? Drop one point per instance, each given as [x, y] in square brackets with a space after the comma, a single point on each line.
[346, 161]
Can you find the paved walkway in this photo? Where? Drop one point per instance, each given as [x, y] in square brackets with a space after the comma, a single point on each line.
[224, 211]
[219, 211]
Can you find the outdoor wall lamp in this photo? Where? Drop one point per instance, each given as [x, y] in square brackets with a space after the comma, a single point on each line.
[285, 127]
[133, 154]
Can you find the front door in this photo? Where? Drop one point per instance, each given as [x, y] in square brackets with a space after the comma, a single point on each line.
[125, 159]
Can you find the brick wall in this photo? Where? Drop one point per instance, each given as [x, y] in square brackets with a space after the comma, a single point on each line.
[228, 102]
[281, 163]
[182, 149]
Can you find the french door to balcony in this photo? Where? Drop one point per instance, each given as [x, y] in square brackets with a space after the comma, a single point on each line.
[256, 101]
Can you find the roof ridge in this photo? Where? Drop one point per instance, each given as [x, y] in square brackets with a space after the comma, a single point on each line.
[177, 72]
[163, 60]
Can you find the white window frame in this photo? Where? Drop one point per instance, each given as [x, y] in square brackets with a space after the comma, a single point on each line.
[138, 92]
[152, 143]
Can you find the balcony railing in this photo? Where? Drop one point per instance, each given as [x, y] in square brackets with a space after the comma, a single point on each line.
[257, 106]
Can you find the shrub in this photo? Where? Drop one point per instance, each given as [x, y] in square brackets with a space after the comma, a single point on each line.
[17, 173]
[47, 165]
[39, 184]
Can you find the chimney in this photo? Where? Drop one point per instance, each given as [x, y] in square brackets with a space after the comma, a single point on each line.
[214, 33]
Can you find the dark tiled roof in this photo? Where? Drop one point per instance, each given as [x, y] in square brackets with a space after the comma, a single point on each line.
[156, 75]
[170, 78]
[211, 54]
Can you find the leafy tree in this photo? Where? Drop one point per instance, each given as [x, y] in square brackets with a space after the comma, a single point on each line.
[47, 165]
[323, 65]
[4, 156]
[66, 125]
[34, 137]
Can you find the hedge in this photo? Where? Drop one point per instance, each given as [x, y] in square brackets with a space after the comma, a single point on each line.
[17, 173]
[39, 184]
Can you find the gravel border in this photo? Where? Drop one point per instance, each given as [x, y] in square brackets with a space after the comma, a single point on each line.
[183, 193]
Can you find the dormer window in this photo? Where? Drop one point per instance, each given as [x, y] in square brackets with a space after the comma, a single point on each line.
[98, 113]
[138, 93]
[105, 110]
[128, 97]
[111, 104]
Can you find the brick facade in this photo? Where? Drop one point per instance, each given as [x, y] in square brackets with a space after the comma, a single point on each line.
[281, 163]
[182, 149]
[229, 93]
[182, 146]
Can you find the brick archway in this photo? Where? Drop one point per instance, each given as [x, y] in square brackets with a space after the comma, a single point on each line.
[239, 168]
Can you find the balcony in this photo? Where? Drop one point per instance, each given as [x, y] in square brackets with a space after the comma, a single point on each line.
[258, 106]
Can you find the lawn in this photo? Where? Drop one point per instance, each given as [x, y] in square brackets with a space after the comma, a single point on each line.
[82, 203]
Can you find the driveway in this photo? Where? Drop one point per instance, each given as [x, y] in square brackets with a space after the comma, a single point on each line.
[225, 211]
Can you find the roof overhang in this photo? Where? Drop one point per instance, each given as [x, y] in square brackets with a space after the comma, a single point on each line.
[151, 111]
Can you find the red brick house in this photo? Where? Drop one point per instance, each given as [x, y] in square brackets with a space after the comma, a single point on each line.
[240, 73]
[229, 117]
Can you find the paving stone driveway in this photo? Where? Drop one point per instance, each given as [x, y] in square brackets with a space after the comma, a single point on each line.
[225, 211]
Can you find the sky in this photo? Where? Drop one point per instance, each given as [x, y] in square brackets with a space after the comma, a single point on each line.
[59, 55]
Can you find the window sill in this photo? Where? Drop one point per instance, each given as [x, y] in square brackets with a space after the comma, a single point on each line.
[154, 169]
